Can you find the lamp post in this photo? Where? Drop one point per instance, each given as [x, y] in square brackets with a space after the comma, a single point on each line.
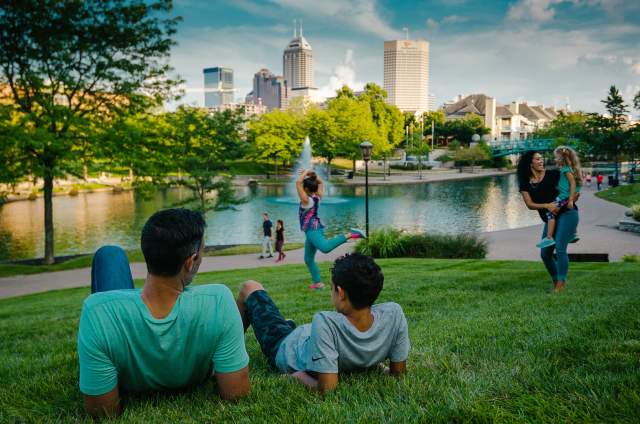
[366, 147]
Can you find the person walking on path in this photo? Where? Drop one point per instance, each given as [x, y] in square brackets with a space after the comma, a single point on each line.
[310, 190]
[280, 240]
[599, 180]
[588, 178]
[166, 335]
[267, 237]
[539, 189]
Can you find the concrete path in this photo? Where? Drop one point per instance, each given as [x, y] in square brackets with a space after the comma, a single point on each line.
[598, 220]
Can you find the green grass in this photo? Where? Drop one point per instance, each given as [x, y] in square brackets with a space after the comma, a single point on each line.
[626, 195]
[9, 270]
[489, 343]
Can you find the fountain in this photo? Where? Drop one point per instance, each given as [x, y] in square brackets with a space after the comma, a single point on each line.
[305, 161]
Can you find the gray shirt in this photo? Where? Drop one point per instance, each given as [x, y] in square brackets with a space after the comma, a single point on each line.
[331, 343]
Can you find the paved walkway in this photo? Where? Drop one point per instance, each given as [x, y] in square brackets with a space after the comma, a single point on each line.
[598, 219]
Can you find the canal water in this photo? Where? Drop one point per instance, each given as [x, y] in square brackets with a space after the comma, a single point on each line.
[89, 220]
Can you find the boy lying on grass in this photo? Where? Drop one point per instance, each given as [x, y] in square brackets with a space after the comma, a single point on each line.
[359, 335]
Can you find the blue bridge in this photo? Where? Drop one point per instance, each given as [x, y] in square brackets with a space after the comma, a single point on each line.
[515, 147]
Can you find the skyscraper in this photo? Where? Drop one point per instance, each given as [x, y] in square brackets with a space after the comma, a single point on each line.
[297, 64]
[406, 74]
[269, 90]
[218, 86]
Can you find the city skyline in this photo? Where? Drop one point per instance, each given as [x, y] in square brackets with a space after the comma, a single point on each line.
[544, 51]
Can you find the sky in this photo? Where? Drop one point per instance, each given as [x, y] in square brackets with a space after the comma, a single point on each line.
[550, 52]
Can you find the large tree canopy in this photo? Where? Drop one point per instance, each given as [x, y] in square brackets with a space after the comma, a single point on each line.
[68, 67]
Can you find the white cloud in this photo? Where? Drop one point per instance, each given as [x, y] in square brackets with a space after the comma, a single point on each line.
[536, 10]
[432, 24]
[343, 74]
[454, 19]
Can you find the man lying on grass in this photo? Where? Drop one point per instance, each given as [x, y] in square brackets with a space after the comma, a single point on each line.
[166, 335]
[358, 336]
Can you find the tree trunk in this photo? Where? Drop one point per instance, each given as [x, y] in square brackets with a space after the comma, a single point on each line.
[353, 163]
[49, 257]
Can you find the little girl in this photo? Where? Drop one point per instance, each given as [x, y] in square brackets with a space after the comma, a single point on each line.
[310, 189]
[568, 185]
[280, 240]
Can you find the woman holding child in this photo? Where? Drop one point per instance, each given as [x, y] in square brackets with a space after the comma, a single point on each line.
[539, 189]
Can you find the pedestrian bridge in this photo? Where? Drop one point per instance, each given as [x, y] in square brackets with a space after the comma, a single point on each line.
[516, 147]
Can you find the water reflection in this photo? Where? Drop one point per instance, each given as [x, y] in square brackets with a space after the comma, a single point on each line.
[87, 221]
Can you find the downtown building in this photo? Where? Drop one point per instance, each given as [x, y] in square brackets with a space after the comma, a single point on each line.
[218, 86]
[406, 75]
[297, 67]
[269, 90]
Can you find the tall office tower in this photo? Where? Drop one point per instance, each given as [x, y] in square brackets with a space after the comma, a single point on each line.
[297, 64]
[269, 90]
[406, 74]
[218, 86]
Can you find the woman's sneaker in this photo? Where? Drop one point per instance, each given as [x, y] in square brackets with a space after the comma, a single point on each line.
[575, 239]
[357, 233]
[546, 242]
[316, 286]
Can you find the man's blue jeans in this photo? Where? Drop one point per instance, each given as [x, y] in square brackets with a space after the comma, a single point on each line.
[110, 270]
[566, 226]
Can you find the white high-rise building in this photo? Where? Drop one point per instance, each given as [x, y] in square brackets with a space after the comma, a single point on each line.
[406, 74]
[297, 64]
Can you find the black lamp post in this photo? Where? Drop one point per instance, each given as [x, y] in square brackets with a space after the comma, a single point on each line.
[366, 147]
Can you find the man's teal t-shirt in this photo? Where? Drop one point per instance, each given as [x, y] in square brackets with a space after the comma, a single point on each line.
[120, 342]
[564, 188]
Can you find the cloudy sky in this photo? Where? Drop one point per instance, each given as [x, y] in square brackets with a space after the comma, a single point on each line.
[544, 51]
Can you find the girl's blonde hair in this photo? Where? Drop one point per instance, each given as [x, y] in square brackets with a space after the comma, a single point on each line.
[569, 157]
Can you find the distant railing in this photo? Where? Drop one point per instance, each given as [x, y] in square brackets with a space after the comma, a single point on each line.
[514, 147]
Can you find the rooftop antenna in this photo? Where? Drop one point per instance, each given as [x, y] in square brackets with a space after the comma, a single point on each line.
[406, 33]
[300, 28]
[294, 28]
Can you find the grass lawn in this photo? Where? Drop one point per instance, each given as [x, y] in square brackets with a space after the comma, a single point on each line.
[489, 343]
[8, 270]
[626, 195]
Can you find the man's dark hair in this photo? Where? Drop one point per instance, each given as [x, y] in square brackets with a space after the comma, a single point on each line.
[169, 237]
[360, 277]
[524, 167]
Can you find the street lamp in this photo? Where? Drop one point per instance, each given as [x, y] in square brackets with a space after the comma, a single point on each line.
[366, 147]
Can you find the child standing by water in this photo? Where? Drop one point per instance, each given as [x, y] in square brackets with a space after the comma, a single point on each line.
[568, 185]
[280, 240]
[310, 190]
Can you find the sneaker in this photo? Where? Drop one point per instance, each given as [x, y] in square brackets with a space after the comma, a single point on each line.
[575, 239]
[316, 286]
[291, 323]
[357, 233]
[546, 242]
[260, 257]
[270, 256]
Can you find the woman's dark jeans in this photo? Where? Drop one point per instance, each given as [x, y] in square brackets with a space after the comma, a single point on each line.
[566, 226]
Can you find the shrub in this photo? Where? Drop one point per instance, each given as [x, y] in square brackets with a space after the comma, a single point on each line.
[453, 145]
[74, 191]
[392, 243]
[409, 166]
[471, 156]
[445, 158]
[631, 258]
[635, 212]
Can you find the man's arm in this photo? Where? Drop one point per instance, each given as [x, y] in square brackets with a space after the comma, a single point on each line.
[397, 368]
[106, 405]
[233, 385]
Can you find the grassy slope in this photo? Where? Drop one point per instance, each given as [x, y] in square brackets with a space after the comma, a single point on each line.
[8, 270]
[488, 343]
[626, 195]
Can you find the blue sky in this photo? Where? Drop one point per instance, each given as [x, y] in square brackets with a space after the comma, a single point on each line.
[544, 51]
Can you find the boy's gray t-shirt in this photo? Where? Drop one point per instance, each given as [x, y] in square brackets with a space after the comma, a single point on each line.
[331, 343]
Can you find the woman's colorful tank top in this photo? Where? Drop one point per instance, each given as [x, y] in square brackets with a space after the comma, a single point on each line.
[309, 219]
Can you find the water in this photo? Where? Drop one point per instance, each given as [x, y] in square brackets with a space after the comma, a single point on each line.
[90, 220]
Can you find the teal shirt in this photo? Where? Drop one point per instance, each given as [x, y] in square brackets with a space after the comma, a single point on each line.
[564, 189]
[120, 342]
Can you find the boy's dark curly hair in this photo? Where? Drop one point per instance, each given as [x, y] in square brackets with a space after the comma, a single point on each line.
[360, 277]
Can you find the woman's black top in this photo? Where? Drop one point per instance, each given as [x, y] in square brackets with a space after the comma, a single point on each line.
[280, 234]
[545, 191]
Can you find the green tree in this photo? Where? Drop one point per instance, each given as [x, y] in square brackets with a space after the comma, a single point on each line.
[276, 136]
[323, 135]
[463, 129]
[354, 125]
[203, 144]
[615, 105]
[436, 119]
[72, 66]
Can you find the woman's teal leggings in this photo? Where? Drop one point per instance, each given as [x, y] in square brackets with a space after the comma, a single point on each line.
[314, 241]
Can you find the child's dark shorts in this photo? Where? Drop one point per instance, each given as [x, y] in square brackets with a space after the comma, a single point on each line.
[269, 326]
